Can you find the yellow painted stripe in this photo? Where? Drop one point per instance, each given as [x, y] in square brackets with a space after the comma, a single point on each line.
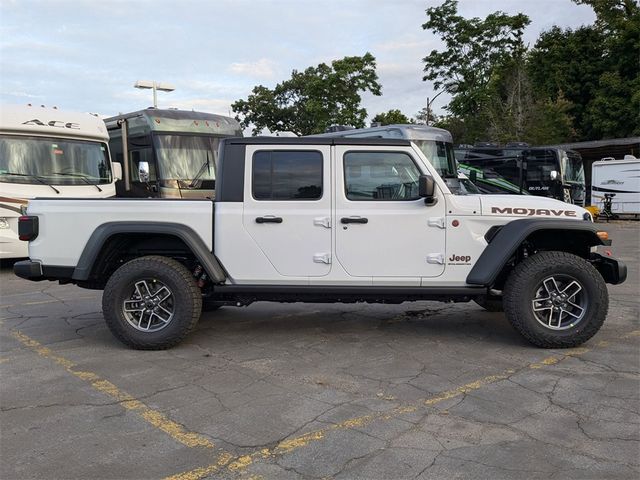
[153, 417]
[240, 463]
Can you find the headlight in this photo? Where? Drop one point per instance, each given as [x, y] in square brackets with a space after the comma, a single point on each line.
[4, 222]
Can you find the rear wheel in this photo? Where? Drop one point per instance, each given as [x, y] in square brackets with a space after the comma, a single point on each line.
[556, 299]
[151, 303]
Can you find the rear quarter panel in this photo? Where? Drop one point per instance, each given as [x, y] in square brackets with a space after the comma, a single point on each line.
[65, 226]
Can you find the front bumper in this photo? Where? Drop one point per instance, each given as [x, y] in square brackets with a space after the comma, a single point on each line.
[613, 271]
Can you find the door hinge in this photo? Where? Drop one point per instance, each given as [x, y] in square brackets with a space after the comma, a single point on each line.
[322, 258]
[436, 258]
[436, 222]
[322, 222]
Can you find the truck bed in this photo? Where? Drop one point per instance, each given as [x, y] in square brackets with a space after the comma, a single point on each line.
[76, 219]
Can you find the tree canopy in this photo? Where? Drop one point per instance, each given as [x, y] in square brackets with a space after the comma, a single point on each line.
[314, 99]
[577, 84]
[391, 117]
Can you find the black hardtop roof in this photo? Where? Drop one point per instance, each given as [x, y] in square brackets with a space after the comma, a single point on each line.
[316, 141]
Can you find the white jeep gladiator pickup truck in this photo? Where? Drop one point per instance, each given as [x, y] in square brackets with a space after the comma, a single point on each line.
[326, 220]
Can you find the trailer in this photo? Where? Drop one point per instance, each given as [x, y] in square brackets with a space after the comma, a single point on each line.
[620, 178]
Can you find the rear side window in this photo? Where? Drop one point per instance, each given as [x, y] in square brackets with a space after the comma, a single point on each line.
[380, 176]
[287, 175]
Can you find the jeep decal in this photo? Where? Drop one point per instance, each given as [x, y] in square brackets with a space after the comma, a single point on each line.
[459, 260]
[528, 212]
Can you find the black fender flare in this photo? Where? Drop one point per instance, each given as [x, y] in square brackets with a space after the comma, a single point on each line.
[105, 231]
[505, 243]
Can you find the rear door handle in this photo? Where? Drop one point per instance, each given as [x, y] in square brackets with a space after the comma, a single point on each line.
[354, 220]
[269, 220]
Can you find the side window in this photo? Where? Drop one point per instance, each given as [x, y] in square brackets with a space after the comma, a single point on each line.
[287, 175]
[137, 156]
[380, 176]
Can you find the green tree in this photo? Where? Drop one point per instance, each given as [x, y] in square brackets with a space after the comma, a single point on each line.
[595, 68]
[312, 100]
[474, 48]
[391, 117]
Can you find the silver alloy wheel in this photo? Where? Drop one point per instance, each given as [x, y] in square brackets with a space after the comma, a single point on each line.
[560, 302]
[150, 305]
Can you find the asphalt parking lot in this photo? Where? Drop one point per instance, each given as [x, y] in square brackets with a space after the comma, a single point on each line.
[419, 390]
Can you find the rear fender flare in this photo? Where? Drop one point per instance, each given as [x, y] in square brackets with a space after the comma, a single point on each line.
[105, 231]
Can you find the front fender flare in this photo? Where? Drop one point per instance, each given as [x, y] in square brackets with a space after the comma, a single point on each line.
[505, 243]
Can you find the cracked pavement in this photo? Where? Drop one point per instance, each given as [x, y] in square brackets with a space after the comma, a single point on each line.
[418, 390]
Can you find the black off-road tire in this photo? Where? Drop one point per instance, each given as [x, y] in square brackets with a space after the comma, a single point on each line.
[520, 291]
[187, 302]
[490, 304]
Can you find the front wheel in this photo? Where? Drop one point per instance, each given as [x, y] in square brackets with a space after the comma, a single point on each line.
[556, 299]
[151, 303]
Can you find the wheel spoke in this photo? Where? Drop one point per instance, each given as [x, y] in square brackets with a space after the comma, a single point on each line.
[577, 307]
[166, 291]
[143, 289]
[572, 289]
[169, 314]
[538, 308]
[132, 306]
[550, 285]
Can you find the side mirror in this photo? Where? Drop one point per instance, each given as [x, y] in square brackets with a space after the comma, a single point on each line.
[117, 171]
[553, 174]
[427, 189]
[143, 172]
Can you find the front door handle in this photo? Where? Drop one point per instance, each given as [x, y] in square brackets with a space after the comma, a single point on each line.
[269, 220]
[354, 220]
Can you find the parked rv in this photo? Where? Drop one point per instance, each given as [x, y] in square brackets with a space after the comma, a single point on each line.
[46, 152]
[435, 143]
[519, 169]
[620, 178]
[168, 153]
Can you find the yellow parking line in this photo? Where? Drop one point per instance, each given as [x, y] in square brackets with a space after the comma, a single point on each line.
[153, 417]
[240, 463]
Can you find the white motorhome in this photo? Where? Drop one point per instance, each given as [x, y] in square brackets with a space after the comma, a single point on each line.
[46, 152]
[618, 177]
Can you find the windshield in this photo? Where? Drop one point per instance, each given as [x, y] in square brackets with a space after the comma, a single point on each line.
[440, 155]
[573, 168]
[56, 161]
[187, 157]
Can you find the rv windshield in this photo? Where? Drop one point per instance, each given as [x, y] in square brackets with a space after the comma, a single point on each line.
[25, 159]
[187, 157]
[573, 168]
[441, 156]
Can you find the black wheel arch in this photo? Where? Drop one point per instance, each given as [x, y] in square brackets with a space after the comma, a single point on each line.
[506, 244]
[111, 239]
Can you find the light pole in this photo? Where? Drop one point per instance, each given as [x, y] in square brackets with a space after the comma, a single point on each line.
[429, 103]
[155, 86]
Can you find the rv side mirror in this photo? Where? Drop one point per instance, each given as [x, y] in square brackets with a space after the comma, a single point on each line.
[427, 188]
[143, 172]
[117, 171]
[553, 174]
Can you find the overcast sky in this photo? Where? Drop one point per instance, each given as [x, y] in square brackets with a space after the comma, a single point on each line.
[86, 55]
